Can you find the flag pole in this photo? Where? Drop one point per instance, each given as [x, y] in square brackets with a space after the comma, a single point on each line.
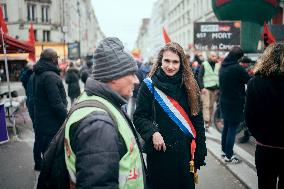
[15, 137]
[6, 66]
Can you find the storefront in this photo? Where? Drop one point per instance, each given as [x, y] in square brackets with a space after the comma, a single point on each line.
[16, 64]
[60, 48]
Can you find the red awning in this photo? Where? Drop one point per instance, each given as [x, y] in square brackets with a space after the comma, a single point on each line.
[15, 46]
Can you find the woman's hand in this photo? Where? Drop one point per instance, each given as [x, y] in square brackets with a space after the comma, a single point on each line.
[158, 142]
[203, 91]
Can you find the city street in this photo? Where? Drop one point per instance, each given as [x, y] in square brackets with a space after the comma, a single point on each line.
[18, 161]
[18, 164]
[199, 76]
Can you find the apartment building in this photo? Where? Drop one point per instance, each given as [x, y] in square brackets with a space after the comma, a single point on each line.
[181, 16]
[178, 17]
[142, 41]
[56, 23]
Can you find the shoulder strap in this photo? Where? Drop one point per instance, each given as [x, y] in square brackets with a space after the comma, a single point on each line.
[90, 103]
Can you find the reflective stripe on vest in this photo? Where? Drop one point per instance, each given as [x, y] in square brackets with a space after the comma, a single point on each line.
[130, 165]
[211, 78]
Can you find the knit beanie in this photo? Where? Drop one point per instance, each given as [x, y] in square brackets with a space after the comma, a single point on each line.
[111, 61]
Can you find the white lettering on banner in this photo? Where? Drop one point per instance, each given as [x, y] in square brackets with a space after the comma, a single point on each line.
[201, 47]
[225, 47]
[201, 35]
[214, 47]
[209, 28]
[221, 35]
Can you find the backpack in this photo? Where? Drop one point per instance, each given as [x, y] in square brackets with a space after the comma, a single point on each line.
[54, 173]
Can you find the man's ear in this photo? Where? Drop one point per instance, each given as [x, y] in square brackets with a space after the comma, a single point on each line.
[112, 82]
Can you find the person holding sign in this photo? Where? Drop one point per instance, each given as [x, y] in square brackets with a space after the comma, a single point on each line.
[169, 120]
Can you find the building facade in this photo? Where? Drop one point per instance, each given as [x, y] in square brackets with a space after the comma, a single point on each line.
[142, 41]
[177, 17]
[56, 23]
[157, 22]
[182, 15]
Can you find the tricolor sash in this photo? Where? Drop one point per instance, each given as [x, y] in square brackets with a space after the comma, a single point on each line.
[175, 112]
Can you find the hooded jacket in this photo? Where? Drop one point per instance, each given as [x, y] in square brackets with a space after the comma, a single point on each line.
[49, 98]
[72, 79]
[232, 80]
[97, 144]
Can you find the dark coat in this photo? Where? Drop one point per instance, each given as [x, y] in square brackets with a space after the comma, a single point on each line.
[177, 154]
[72, 79]
[98, 146]
[141, 74]
[30, 97]
[232, 80]
[85, 72]
[49, 98]
[25, 76]
[264, 109]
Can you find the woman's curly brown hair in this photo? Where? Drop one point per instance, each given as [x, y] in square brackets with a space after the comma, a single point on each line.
[192, 89]
[271, 62]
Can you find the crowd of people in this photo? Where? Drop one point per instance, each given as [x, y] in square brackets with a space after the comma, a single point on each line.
[161, 108]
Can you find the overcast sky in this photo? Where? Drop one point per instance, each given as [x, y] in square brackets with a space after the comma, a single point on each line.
[122, 18]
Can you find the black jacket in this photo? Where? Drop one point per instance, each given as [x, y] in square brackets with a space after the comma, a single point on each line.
[25, 76]
[30, 98]
[97, 144]
[174, 138]
[232, 80]
[49, 98]
[264, 109]
[72, 79]
[85, 72]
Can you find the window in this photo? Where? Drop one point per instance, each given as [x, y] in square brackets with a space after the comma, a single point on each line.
[31, 8]
[46, 35]
[35, 33]
[44, 13]
[5, 14]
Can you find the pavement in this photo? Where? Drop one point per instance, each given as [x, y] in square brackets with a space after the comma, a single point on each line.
[18, 161]
[244, 171]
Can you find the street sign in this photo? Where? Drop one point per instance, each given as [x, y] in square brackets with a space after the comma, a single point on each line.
[216, 36]
[74, 50]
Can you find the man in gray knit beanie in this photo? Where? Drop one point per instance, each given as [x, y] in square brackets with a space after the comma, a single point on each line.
[104, 141]
[111, 61]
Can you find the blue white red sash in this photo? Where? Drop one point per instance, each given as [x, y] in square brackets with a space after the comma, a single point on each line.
[173, 109]
[179, 117]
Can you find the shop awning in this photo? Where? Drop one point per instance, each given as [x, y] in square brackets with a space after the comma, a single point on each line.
[15, 46]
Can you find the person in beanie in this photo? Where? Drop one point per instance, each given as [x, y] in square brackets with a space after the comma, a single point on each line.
[72, 77]
[232, 78]
[169, 119]
[264, 116]
[49, 100]
[101, 152]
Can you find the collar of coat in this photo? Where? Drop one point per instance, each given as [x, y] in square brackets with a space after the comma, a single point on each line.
[94, 87]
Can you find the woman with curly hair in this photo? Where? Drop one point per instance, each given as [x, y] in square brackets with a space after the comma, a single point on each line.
[264, 118]
[169, 120]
